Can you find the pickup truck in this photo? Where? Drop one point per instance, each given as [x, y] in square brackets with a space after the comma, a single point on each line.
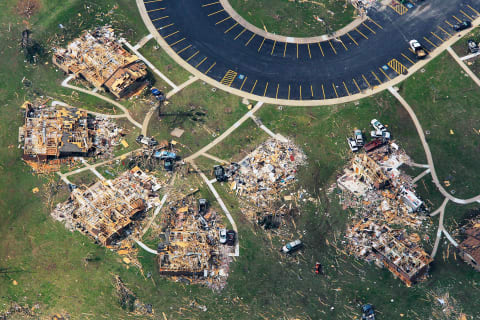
[418, 49]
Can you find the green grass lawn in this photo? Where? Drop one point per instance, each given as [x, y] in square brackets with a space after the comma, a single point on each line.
[445, 102]
[296, 18]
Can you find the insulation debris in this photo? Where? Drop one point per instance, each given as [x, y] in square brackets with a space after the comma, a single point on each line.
[190, 250]
[386, 206]
[263, 175]
[52, 136]
[99, 58]
[470, 246]
[110, 210]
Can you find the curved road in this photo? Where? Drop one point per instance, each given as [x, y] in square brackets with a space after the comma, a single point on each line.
[204, 36]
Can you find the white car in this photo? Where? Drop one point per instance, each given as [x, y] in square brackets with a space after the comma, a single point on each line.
[359, 137]
[223, 236]
[291, 246]
[352, 144]
[378, 125]
[380, 134]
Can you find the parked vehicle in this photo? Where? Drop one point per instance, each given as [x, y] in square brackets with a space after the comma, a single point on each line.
[372, 145]
[219, 172]
[380, 134]
[472, 46]
[231, 235]
[292, 246]
[168, 164]
[148, 141]
[462, 25]
[359, 137]
[377, 125]
[418, 49]
[223, 236]
[352, 144]
[368, 312]
[202, 206]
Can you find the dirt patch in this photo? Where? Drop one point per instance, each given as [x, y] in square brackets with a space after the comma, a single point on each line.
[27, 8]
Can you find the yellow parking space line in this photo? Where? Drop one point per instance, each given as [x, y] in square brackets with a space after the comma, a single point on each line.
[335, 89]
[300, 92]
[265, 92]
[273, 48]
[365, 79]
[152, 1]
[171, 34]
[321, 50]
[331, 45]
[153, 10]
[285, 49]
[165, 27]
[253, 88]
[253, 35]
[343, 44]
[375, 23]
[444, 31]
[210, 4]
[406, 57]
[243, 83]
[228, 30]
[323, 91]
[210, 68]
[309, 52]
[228, 78]
[381, 70]
[433, 33]
[446, 21]
[223, 20]
[193, 55]
[433, 44]
[346, 89]
[399, 8]
[213, 13]
[371, 30]
[466, 15]
[276, 95]
[241, 32]
[397, 66]
[356, 85]
[376, 77]
[411, 50]
[356, 29]
[311, 90]
[288, 92]
[456, 19]
[176, 42]
[478, 13]
[297, 50]
[348, 34]
[261, 45]
[178, 52]
[198, 64]
[161, 18]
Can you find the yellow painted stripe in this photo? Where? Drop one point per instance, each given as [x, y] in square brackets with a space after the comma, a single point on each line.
[473, 10]
[276, 95]
[346, 89]
[223, 20]
[433, 44]
[161, 18]
[213, 13]
[363, 23]
[265, 92]
[238, 35]
[201, 62]
[445, 31]
[171, 34]
[226, 31]
[356, 85]
[288, 92]
[176, 42]
[375, 23]
[153, 10]
[343, 44]
[243, 83]
[273, 48]
[376, 77]
[261, 45]
[446, 21]
[152, 1]
[321, 50]
[406, 57]
[323, 90]
[165, 27]
[300, 92]
[456, 19]
[365, 79]
[178, 52]
[348, 34]
[309, 53]
[335, 89]
[253, 35]
[331, 45]
[210, 4]
[253, 88]
[384, 74]
[466, 15]
[193, 55]
[436, 36]
[297, 50]
[311, 90]
[208, 70]
[356, 29]
[285, 49]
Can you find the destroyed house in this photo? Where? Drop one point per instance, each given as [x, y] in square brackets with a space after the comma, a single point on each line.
[369, 171]
[50, 133]
[99, 58]
[107, 210]
[470, 247]
[402, 257]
